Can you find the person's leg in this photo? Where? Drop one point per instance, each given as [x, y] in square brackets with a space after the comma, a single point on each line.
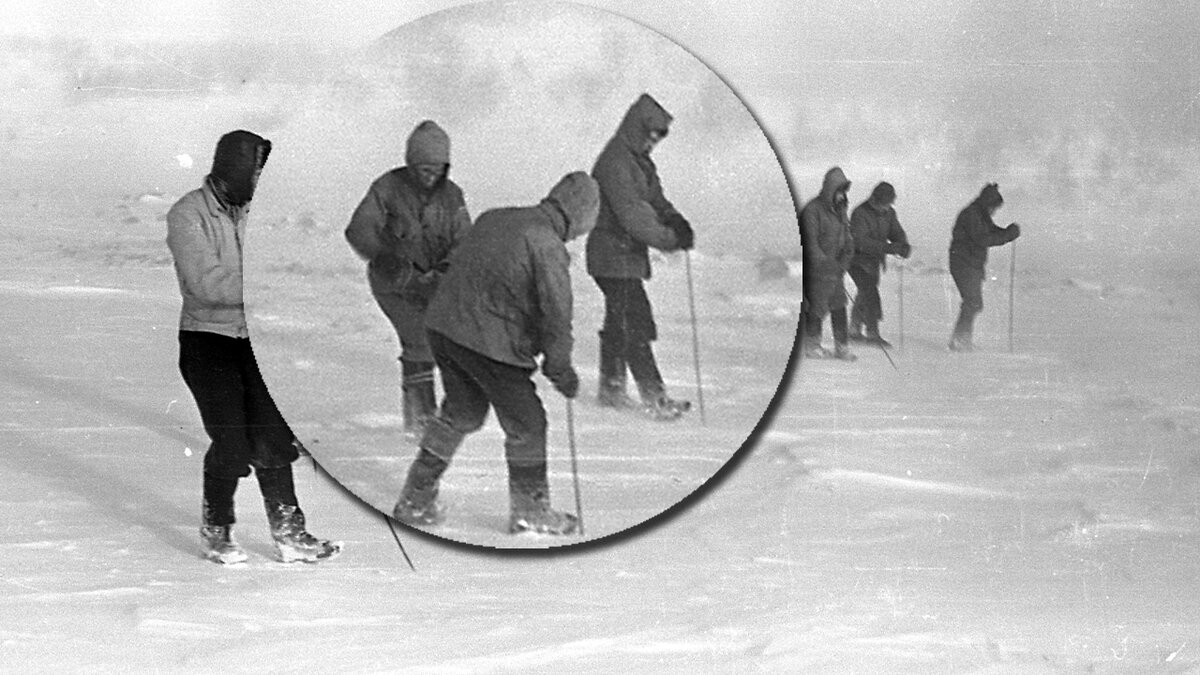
[463, 411]
[613, 367]
[858, 311]
[417, 389]
[817, 293]
[275, 448]
[522, 416]
[837, 323]
[210, 369]
[969, 281]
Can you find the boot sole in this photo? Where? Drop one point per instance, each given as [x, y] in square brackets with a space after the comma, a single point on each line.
[290, 554]
[227, 559]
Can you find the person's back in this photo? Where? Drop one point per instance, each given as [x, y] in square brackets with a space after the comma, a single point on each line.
[493, 297]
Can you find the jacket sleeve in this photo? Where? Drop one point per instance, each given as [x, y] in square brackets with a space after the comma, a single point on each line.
[860, 227]
[552, 282]
[896, 233]
[980, 230]
[365, 231]
[193, 244]
[635, 214]
[810, 229]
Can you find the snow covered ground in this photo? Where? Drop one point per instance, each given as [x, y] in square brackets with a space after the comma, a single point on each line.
[989, 512]
[1026, 512]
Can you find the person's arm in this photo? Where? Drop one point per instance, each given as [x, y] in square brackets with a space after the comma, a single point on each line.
[365, 233]
[861, 226]
[215, 282]
[982, 231]
[810, 228]
[552, 284]
[897, 238]
[635, 215]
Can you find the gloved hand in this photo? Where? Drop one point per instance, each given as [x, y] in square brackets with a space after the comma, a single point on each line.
[1013, 230]
[564, 379]
[390, 264]
[899, 248]
[424, 285]
[685, 237]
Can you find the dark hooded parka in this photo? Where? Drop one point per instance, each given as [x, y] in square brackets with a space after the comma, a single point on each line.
[828, 246]
[877, 232]
[506, 301]
[974, 233]
[633, 209]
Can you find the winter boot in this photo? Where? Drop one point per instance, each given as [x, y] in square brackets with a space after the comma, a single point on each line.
[419, 400]
[216, 530]
[613, 372]
[293, 542]
[962, 338]
[841, 352]
[659, 406]
[529, 496]
[286, 520]
[418, 504]
[872, 336]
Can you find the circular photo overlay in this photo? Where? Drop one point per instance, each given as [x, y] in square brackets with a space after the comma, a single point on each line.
[521, 274]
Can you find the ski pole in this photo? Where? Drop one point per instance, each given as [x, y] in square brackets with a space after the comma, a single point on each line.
[574, 462]
[885, 350]
[397, 538]
[901, 293]
[695, 336]
[1012, 273]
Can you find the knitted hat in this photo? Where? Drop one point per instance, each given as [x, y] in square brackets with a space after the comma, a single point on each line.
[427, 144]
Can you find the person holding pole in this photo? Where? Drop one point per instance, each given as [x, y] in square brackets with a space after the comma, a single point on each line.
[877, 234]
[504, 301]
[974, 232]
[634, 217]
[828, 247]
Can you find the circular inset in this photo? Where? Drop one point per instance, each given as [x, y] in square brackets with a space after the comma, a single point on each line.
[522, 94]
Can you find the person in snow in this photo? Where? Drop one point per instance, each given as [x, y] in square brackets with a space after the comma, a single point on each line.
[406, 226]
[877, 234]
[505, 300]
[634, 216]
[974, 232]
[205, 231]
[828, 247]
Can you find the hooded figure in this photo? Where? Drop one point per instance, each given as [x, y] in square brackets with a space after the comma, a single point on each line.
[974, 232]
[205, 230]
[828, 248]
[504, 302]
[634, 217]
[877, 233]
[406, 226]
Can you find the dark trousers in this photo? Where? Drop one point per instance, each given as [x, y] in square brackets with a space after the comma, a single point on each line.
[969, 280]
[825, 294]
[407, 317]
[245, 427]
[626, 335]
[475, 383]
[868, 308]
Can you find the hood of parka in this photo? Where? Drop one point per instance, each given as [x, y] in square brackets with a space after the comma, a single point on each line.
[577, 196]
[239, 156]
[835, 181]
[644, 116]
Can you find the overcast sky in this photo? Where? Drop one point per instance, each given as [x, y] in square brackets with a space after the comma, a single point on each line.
[1076, 104]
